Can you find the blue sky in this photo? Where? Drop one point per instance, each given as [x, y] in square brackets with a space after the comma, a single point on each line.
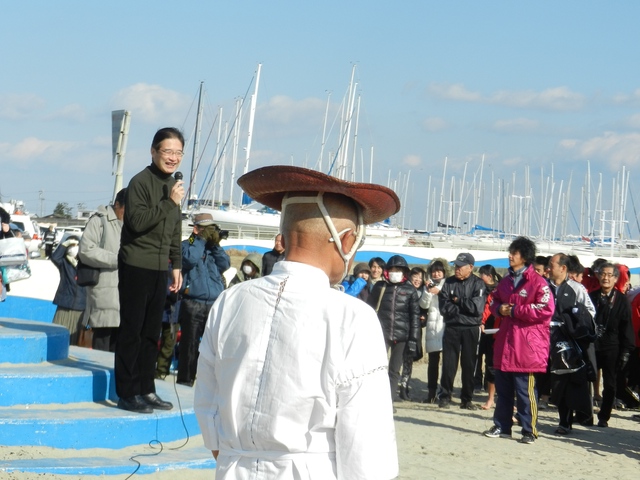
[535, 84]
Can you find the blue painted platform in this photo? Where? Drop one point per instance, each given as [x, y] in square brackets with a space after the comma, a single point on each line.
[62, 397]
[27, 309]
[24, 341]
[178, 458]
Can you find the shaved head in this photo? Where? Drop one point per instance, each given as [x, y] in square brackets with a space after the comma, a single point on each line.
[307, 237]
[306, 218]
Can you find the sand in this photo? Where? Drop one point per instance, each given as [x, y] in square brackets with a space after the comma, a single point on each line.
[446, 443]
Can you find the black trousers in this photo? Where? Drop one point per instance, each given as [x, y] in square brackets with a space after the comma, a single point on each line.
[459, 344]
[433, 369]
[142, 298]
[104, 338]
[396, 357]
[606, 360]
[192, 318]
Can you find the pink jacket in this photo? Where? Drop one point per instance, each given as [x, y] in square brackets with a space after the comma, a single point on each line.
[522, 343]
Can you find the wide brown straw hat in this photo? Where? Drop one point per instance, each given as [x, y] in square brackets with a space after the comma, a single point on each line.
[268, 185]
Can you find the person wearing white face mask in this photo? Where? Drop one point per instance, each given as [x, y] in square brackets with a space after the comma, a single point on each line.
[249, 269]
[70, 297]
[397, 303]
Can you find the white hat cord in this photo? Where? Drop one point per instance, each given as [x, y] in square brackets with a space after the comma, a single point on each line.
[319, 201]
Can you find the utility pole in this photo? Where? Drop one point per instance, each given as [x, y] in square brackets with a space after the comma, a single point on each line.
[41, 196]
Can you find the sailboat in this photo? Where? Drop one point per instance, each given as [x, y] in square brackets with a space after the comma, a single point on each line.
[246, 220]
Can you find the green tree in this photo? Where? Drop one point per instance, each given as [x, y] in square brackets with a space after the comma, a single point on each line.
[62, 210]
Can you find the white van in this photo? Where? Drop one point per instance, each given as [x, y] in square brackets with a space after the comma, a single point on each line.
[31, 233]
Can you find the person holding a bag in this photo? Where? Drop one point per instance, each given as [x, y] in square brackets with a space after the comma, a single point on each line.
[397, 303]
[99, 249]
[5, 232]
[70, 297]
[572, 325]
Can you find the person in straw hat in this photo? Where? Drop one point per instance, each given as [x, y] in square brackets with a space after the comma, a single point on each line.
[292, 378]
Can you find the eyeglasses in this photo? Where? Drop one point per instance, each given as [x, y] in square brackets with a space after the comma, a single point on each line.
[606, 275]
[171, 153]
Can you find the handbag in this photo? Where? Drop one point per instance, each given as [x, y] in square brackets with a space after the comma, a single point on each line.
[87, 276]
[13, 251]
[85, 337]
[565, 355]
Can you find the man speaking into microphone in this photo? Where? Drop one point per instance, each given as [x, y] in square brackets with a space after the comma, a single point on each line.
[151, 237]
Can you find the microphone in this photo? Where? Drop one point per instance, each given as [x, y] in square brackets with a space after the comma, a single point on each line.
[178, 176]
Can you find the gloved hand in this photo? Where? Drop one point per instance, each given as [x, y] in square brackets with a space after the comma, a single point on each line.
[210, 235]
[70, 242]
[623, 359]
[412, 347]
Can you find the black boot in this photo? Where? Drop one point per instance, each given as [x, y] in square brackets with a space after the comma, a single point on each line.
[404, 393]
[431, 398]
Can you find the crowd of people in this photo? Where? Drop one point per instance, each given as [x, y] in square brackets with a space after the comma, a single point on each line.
[552, 334]
[289, 357]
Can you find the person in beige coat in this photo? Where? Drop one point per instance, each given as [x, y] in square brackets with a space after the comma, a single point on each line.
[102, 312]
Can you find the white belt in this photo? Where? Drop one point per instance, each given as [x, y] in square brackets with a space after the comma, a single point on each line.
[273, 455]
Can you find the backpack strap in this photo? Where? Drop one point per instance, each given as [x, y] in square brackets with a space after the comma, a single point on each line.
[380, 297]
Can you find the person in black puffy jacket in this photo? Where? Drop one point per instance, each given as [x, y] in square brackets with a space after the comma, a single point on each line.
[396, 302]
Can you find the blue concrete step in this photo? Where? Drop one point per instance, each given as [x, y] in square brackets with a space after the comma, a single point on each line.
[28, 308]
[94, 425]
[85, 376]
[25, 341]
[176, 457]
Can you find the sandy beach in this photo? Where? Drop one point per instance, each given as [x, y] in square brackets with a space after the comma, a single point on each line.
[432, 442]
[448, 443]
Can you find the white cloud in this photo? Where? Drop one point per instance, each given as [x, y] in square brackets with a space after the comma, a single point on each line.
[285, 110]
[73, 112]
[412, 160]
[151, 103]
[614, 148]
[557, 98]
[434, 124]
[632, 99]
[456, 92]
[634, 121]
[32, 148]
[19, 106]
[515, 125]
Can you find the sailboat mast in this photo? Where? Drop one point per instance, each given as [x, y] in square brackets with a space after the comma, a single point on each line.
[464, 178]
[196, 145]
[234, 154]
[252, 116]
[477, 205]
[216, 157]
[324, 132]
[444, 174]
[223, 165]
[355, 142]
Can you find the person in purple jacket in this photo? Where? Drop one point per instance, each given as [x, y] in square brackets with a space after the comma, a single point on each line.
[525, 305]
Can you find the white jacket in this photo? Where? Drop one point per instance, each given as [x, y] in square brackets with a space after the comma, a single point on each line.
[435, 324]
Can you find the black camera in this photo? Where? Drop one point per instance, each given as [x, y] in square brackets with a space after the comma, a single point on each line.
[431, 285]
[223, 234]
